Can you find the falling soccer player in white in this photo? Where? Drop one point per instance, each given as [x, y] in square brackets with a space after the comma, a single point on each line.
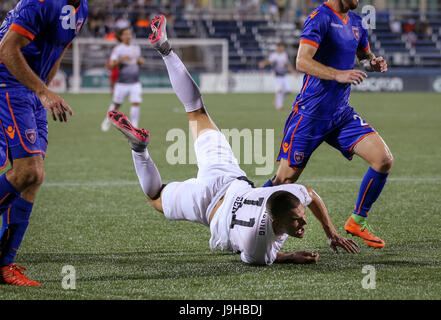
[128, 58]
[279, 61]
[241, 218]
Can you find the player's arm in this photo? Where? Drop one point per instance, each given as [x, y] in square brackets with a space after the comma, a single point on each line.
[15, 62]
[116, 63]
[318, 208]
[264, 63]
[370, 62]
[305, 63]
[140, 61]
[301, 257]
[291, 69]
[55, 68]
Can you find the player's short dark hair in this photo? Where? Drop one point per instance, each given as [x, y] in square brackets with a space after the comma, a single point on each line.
[119, 33]
[281, 203]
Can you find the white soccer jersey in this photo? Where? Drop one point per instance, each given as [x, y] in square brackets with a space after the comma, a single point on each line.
[243, 225]
[279, 62]
[129, 69]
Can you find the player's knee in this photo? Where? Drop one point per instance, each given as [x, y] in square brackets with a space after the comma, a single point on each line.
[279, 180]
[30, 175]
[385, 164]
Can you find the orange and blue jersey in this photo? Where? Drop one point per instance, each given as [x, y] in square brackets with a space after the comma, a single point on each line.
[337, 41]
[50, 26]
[321, 112]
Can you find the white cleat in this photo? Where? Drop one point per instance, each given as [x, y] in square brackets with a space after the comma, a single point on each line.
[105, 126]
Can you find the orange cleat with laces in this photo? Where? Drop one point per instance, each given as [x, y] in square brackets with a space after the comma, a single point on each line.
[362, 231]
[14, 275]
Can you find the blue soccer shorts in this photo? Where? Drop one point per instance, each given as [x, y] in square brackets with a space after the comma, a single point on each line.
[303, 134]
[23, 126]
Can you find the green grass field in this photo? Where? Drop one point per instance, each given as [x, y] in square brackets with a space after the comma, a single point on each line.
[91, 213]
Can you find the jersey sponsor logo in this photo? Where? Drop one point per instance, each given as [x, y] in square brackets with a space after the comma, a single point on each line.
[356, 32]
[31, 135]
[298, 156]
[11, 132]
[336, 25]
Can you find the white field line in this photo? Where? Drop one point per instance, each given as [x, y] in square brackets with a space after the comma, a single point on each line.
[257, 181]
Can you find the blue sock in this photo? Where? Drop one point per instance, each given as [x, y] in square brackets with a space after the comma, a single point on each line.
[370, 189]
[269, 183]
[18, 215]
[7, 195]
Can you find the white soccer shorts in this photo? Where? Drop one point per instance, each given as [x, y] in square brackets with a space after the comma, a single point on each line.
[194, 199]
[122, 90]
[282, 84]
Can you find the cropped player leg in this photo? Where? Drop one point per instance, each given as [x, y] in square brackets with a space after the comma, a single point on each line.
[26, 176]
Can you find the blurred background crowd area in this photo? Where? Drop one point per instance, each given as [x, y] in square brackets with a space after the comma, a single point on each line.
[408, 32]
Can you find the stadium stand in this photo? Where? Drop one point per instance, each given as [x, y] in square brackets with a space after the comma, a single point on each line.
[407, 38]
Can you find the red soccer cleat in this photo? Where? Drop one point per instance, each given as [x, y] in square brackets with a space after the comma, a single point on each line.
[14, 275]
[158, 37]
[138, 138]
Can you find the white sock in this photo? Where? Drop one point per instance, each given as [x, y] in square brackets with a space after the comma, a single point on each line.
[148, 175]
[134, 115]
[280, 97]
[112, 107]
[183, 84]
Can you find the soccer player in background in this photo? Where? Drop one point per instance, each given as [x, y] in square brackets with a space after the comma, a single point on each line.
[34, 37]
[279, 61]
[331, 39]
[127, 58]
[252, 221]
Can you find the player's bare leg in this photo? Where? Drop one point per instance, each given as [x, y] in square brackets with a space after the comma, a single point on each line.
[286, 174]
[375, 152]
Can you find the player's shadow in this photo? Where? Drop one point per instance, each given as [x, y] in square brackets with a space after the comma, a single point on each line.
[142, 265]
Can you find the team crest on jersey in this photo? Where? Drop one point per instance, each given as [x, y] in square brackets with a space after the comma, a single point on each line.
[298, 156]
[356, 32]
[31, 135]
[80, 23]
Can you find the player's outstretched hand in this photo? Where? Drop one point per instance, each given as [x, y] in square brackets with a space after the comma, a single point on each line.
[379, 64]
[338, 241]
[57, 107]
[304, 257]
[350, 76]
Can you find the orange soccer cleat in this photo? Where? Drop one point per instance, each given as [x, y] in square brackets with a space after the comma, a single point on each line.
[362, 231]
[14, 275]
